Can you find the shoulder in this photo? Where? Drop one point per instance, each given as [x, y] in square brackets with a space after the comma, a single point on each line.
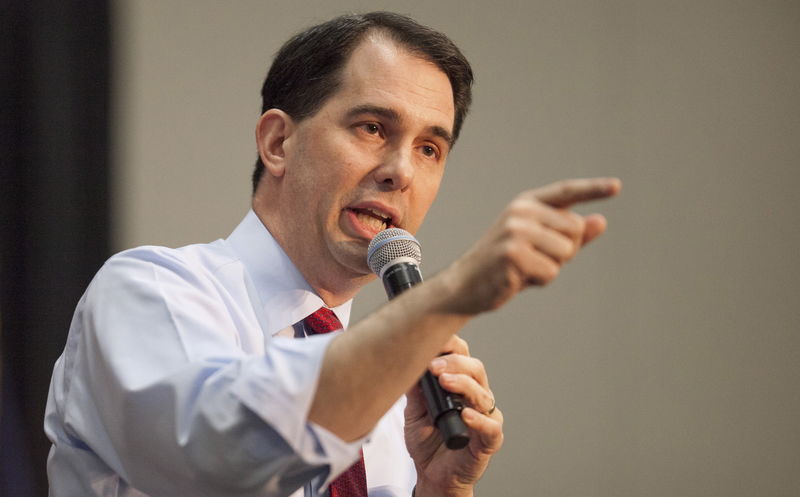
[136, 268]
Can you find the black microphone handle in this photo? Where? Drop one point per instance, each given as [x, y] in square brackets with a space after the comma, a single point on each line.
[443, 406]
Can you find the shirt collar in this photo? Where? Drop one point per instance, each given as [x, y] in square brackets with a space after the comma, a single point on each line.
[286, 297]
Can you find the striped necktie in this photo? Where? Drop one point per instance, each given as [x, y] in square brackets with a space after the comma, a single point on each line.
[353, 482]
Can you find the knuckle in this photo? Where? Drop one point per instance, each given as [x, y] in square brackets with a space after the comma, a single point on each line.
[562, 258]
[518, 204]
[555, 270]
[550, 272]
[511, 225]
[570, 251]
[509, 250]
[523, 207]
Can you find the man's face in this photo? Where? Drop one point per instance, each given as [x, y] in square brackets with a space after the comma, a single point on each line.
[372, 157]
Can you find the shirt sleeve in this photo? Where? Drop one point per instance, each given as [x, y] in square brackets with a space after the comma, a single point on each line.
[157, 385]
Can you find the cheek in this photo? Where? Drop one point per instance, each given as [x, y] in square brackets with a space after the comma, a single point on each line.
[338, 159]
[430, 187]
[425, 195]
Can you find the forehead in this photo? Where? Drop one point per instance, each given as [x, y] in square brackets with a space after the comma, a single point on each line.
[382, 73]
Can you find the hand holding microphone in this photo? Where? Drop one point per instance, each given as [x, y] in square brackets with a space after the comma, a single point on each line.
[394, 255]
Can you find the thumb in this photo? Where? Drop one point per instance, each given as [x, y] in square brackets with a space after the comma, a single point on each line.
[595, 226]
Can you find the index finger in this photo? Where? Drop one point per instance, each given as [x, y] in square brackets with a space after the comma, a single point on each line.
[572, 191]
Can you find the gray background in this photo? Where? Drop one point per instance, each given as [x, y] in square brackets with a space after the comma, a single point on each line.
[664, 361]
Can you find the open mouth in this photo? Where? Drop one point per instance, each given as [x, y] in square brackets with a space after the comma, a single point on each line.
[373, 219]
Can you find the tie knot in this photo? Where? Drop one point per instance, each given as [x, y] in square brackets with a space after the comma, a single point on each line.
[322, 321]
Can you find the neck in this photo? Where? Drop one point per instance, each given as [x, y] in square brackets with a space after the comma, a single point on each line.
[335, 296]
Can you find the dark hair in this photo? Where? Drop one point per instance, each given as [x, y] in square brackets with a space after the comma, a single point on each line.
[306, 70]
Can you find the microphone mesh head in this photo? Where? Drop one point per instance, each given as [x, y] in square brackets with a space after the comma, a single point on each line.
[389, 245]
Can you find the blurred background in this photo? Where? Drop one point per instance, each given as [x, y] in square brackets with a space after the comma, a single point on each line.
[664, 361]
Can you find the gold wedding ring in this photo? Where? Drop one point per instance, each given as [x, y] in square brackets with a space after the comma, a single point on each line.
[494, 406]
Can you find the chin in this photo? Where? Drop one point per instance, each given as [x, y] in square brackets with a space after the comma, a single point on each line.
[353, 256]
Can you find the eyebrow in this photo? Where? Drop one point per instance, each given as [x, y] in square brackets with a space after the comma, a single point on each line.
[392, 115]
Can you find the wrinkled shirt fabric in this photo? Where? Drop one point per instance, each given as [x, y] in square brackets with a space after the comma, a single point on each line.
[181, 376]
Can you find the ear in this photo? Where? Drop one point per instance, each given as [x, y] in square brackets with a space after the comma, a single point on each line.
[272, 130]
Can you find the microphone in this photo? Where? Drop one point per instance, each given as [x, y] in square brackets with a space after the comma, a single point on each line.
[395, 255]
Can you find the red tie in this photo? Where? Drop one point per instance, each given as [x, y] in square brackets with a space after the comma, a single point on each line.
[353, 482]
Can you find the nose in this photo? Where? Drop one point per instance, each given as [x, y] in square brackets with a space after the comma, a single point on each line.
[396, 171]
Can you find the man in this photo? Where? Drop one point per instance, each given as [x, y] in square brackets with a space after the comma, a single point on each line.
[181, 374]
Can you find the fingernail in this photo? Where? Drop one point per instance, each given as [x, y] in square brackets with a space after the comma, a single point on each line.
[438, 364]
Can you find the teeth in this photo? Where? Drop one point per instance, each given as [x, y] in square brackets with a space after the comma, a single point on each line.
[379, 214]
[366, 219]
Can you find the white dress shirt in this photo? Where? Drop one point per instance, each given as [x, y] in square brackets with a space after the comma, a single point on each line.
[176, 381]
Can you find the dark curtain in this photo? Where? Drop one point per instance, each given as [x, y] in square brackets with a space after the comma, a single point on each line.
[54, 215]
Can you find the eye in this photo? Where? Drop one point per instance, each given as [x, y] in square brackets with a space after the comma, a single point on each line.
[371, 128]
[429, 151]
